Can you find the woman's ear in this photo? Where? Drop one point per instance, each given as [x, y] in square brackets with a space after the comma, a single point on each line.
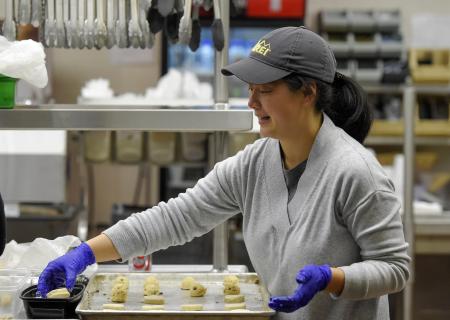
[310, 93]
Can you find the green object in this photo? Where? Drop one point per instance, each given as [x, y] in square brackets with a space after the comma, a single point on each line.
[7, 92]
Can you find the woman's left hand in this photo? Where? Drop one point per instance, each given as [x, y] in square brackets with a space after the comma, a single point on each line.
[311, 279]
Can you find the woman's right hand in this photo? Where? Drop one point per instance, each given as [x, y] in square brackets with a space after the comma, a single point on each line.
[64, 270]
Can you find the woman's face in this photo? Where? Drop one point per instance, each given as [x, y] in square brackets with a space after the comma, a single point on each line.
[280, 111]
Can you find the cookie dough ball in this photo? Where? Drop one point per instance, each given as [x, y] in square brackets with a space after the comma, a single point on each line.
[192, 307]
[186, 283]
[230, 280]
[60, 293]
[5, 299]
[121, 280]
[153, 307]
[231, 289]
[197, 290]
[113, 306]
[119, 293]
[151, 289]
[235, 306]
[151, 279]
[154, 299]
[238, 298]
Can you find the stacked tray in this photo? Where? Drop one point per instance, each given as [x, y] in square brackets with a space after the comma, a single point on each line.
[98, 293]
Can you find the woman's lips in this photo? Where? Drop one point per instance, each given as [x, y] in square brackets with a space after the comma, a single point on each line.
[263, 120]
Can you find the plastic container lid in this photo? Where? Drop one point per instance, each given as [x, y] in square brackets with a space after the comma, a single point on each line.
[12, 282]
[11, 279]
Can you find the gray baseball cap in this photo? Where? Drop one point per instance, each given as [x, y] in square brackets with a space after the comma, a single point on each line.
[282, 52]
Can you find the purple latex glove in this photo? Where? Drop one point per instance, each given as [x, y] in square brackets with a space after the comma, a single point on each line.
[311, 279]
[63, 271]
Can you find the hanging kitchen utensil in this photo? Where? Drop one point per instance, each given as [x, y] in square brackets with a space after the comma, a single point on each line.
[59, 23]
[36, 12]
[147, 37]
[207, 4]
[72, 25]
[9, 25]
[111, 18]
[65, 22]
[171, 26]
[89, 28]
[172, 22]
[179, 6]
[165, 7]
[121, 26]
[194, 42]
[185, 29]
[16, 10]
[154, 18]
[134, 30]
[100, 26]
[50, 25]
[81, 22]
[217, 28]
[41, 20]
[25, 12]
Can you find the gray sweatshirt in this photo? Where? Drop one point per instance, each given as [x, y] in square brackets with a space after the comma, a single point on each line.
[344, 213]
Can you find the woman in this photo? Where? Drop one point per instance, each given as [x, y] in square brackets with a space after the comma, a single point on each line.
[319, 214]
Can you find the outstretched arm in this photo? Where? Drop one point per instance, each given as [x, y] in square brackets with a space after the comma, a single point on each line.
[103, 248]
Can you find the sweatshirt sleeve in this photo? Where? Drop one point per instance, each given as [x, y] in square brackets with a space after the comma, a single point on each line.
[377, 228]
[193, 213]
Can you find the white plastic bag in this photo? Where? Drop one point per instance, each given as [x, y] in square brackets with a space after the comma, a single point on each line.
[169, 86]
[97, 89]
[36, 255]
[23, 60]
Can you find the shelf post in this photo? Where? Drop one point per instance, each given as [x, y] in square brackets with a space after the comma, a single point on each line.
[218, 140]
[409, 106]
[221, 60]
[218, 144]
[83, 218]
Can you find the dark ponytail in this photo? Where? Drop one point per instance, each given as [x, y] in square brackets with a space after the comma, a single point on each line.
[2, 226]
[344, 101]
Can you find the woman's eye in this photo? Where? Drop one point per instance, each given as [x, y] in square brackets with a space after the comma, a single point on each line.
[260, 91]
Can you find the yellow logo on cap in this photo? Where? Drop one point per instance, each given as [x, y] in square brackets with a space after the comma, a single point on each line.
[262, 47]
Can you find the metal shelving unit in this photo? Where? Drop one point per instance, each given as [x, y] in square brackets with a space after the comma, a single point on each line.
[384, 89]
[427, 226]
[432, 89]
[85, 117]
[412, 225]
[398, 141]
[432, 225]
[218, 120]
[214, 120]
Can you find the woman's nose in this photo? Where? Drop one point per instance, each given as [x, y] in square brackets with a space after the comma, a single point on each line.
[253, 102]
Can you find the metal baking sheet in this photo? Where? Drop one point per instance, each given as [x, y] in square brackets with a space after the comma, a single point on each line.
[98, 292]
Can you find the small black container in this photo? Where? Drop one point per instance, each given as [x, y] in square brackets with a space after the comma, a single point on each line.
[40, 308]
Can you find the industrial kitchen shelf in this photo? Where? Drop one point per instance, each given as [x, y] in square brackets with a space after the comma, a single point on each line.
[398, 141]
[96, 117]
[432, 224]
